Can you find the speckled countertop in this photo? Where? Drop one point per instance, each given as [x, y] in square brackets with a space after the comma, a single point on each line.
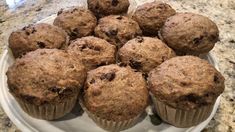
[220, 11]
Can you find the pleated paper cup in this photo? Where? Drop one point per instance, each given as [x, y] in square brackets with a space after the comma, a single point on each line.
[112, 126]
[48, 111]
[181, 118]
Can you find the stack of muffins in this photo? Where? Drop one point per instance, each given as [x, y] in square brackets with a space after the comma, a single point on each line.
[112, 62]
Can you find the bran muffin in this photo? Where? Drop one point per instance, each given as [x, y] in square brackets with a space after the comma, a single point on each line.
[106, 93]
[184, 90]
[46, 82]
[145, 53]
[77, 22]
[108, 7]
[117, 29]
[37, 36]
[189, 33]
[93, 51]
[152, 16]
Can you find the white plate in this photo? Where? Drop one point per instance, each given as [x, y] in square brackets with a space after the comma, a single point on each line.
[73, 122]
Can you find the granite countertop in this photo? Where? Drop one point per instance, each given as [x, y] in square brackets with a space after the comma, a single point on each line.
[222, 12]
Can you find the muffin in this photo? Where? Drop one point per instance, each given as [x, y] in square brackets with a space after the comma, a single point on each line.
[117, 29]
[114, 97]
[108, 7]
[36, 36]
[46, 82]
[189, 33]
[152, 16]
[93, 51]
[77, 22]
[184, 90]
[145, 53]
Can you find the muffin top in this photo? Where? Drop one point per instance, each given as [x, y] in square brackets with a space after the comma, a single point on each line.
[93, 51]
[152, 16]
[186, 82]
[36, 36]
[145, 53]
[115, 93]
[46, 76]
[190, 33]
[108, 7]
[77, 22]
[117, 29]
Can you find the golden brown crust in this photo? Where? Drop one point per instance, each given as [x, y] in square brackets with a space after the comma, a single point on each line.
[190, 33]
[145, 53]
[46, 76]
[117, 29]
[115, 93]
[152, 16]
[93, 51]
[36, 36]
[77, 22]
[108, 7]
[186, 82]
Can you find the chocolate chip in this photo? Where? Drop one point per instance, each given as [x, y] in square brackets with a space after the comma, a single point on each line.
[27, 33]
[108, 76]
[101, 64]
[41, 45]
[139, 39]
[34, 30]
[92, 81]
[115, 2]
[135, 64]
[59, 12]
[121, 64]
[183, 84]
[197, 40]
[89, 47]
[54, 89]
[216, 79]
[119, 17]
[112, 32]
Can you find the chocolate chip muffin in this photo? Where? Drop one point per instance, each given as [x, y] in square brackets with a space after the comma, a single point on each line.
[93, 51]
[117, 29]
[106, 93]
[77, 22]
[37, 36]
[189, 33]
[108, 7]
[152, 16]
[145, 53]
[46, 82]
[184, 90]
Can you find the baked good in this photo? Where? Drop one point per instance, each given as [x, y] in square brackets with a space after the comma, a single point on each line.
[152, 16]
[184, 90]
[108, 7]
[189, 33]
[77, 22]
[106, 93]
[145, 53]
[36, 36]
[46, 82]
[93, 51]
[117, 29]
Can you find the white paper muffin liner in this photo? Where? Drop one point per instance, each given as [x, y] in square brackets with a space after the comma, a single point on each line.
[112, 126]
[48, 111]
[181, 118]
